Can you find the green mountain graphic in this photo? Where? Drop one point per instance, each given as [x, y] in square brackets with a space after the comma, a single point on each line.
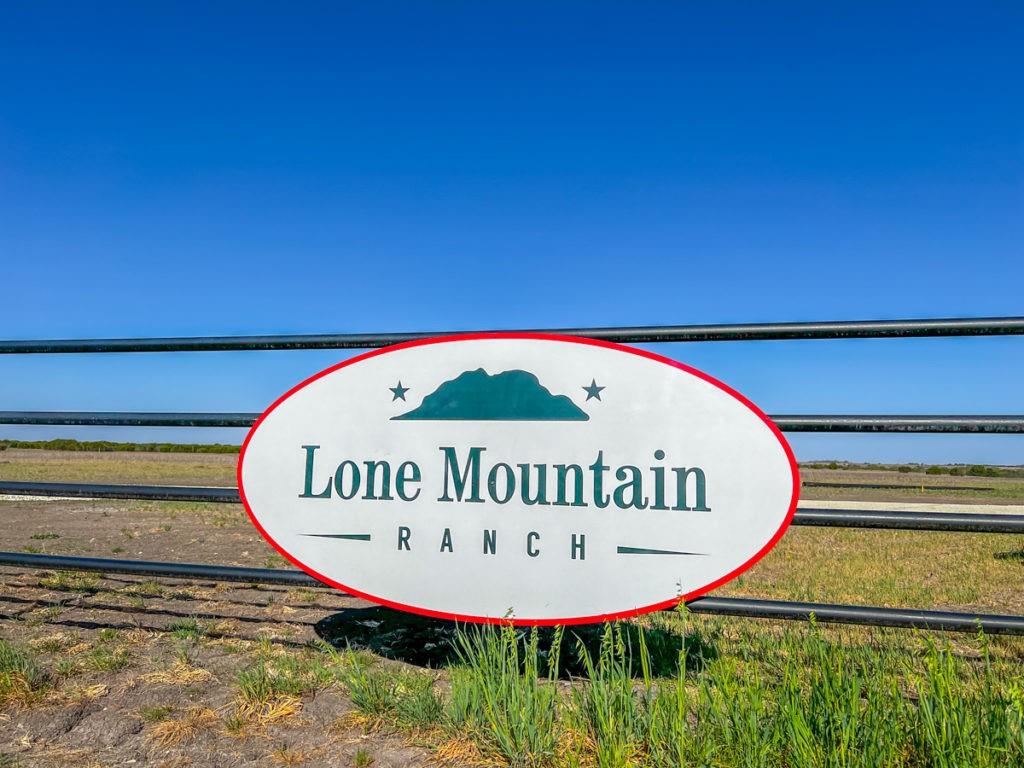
[507, 396]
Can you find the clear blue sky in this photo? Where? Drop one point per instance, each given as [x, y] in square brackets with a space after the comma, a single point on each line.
[172, 169]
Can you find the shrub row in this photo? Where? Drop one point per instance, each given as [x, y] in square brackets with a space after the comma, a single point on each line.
[65, 444]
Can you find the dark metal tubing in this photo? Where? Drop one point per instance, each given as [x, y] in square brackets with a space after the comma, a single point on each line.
[935, 423]
[853, 329]
[787, 423]
[966, 522]
[969, 522]
[906, 618]
[728, 606]
[134, 492]
[943, 620]
[151, 568]
[125, 419]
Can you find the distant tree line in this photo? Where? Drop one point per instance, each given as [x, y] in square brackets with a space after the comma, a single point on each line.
[970, 470]
[108, 446]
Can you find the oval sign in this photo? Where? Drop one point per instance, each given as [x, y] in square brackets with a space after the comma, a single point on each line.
[526, 477]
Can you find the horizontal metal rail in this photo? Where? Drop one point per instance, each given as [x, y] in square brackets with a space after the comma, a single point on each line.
[843, 329]
[968, 522]
[901, 520]
[287, 576]
[133, 492]
[787, 423]
[908, 618]
[858, 423]
[127, 419]
[904, 618]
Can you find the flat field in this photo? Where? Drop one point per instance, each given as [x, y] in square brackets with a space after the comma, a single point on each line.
[106, 669]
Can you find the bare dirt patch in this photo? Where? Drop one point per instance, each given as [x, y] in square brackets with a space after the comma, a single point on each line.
[147, 672]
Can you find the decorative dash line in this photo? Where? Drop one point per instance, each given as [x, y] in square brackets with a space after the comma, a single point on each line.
[645, 551]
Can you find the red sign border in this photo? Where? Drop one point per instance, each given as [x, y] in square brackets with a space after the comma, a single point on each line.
[516, 620]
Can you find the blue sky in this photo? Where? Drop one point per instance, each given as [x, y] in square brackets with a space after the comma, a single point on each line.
[251, 168]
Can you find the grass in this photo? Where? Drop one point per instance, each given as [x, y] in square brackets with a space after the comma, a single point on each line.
[380, 693]
[58, 641]
[145, 589]
[106, 657]
[156, 713]
[668, 690]
[145, 468]
[22, 679]
[500, 699]
[68, 581]
[272, 687]
[186, 629]
[890, 568]
[784, 698]
[274, 560]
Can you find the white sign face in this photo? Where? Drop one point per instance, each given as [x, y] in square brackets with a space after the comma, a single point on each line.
[526, 477]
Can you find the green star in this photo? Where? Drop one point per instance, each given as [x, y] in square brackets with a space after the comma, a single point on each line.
[593, 390]
[398, 391]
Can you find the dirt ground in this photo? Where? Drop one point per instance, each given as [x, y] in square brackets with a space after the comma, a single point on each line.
[146, 671]
[153, 672]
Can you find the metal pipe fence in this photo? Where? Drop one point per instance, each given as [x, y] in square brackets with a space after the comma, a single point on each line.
[907, 618]
[833, 329]
[787, 423]
[732, 606]
[969, 522]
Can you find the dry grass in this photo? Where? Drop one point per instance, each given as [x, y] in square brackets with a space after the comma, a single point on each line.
[361, 722]
[288, 756]
[81, 694]
[460, 751]
[261, 713]
[58, 641]
[146, 468]
[69, 581]
[69, 755]
[183, 729]
[179, 673]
